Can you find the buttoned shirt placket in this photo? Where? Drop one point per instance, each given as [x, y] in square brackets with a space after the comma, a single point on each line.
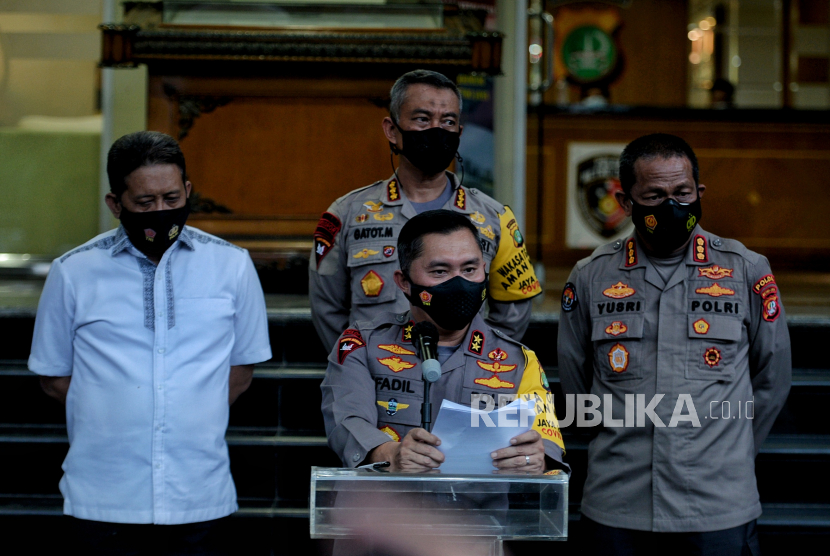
[160, 346]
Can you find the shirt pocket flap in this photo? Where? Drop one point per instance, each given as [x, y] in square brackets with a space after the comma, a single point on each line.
[610, 328]
[372, 253]
[715, 327]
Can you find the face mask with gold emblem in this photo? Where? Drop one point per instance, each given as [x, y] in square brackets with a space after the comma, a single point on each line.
[668, 225]
[451, 304]
[154, 232]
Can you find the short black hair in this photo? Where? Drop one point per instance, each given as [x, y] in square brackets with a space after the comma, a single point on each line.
[397, 95]
[139, 149]
[647, 147]
[441, 221]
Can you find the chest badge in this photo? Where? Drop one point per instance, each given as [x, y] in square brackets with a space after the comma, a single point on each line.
[396, 349]
[388, 251]
[701, 326]
[714, 272]
[477, 217]
[712, 357]
[395, 363]
[372, 284]
[487, 232]
[361, 218]
[619, 291]
[497, 354]
[618, 358]
[616, 328]
[494, 381]
[372, 206]
[392, 406]
[715, 290]
[364, 254]
[384, 217]
[393, 434]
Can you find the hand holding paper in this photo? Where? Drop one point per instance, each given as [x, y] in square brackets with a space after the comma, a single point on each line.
[469, 437]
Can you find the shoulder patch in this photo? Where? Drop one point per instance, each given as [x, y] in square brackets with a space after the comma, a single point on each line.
[349, 342]
[771, 306]
[763, 283]
[327, 229]
[569, 299]
[476, 345]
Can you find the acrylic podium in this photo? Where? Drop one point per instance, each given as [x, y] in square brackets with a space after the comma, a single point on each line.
[481, 510]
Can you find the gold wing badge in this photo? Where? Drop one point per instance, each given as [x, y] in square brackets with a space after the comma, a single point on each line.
[494, 381]
[396, 364]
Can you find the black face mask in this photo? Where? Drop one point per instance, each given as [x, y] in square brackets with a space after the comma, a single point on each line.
[429, 150]
[667, 226]
[154, 232]
[451, 304]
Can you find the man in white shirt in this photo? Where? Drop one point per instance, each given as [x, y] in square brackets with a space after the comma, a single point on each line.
[148, 333]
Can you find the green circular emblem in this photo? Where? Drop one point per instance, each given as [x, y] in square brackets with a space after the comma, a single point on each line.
[589, 54]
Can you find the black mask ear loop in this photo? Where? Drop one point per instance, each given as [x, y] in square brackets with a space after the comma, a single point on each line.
[393, 150]
[461, 162]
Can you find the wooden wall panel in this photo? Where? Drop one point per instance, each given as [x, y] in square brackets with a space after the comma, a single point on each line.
[288, 155]
[277, 153]
[765, 179]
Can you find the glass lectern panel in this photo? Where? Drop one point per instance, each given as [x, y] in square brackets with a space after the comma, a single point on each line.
[503, 507]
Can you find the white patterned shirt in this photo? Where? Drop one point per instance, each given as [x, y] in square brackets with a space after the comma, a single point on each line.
[149, 349]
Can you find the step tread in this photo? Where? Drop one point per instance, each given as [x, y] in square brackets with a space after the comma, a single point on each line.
[281, 371]
[237, 436]
[789, 515]
[801, 444]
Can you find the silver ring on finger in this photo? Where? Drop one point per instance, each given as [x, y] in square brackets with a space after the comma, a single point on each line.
[527, 460]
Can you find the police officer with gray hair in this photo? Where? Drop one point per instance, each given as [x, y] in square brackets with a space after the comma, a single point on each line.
[352, 266]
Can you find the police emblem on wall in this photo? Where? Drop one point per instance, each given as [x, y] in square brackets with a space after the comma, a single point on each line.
[597, 180]
[594, 216]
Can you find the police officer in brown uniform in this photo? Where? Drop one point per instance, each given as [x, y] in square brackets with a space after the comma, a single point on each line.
[679, 312]
[354, 256]
[373, 389]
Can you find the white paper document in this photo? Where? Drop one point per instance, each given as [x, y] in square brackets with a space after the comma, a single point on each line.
[468, 436]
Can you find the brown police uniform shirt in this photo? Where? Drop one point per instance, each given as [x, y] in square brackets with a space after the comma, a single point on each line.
[373, 388]
[355, 257]
[716, 330]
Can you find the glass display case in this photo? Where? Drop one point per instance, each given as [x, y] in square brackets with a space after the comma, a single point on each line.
[455, 508]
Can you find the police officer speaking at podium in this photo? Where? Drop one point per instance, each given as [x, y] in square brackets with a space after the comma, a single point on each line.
[684, 330]
[373, 390]
[354, 256]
